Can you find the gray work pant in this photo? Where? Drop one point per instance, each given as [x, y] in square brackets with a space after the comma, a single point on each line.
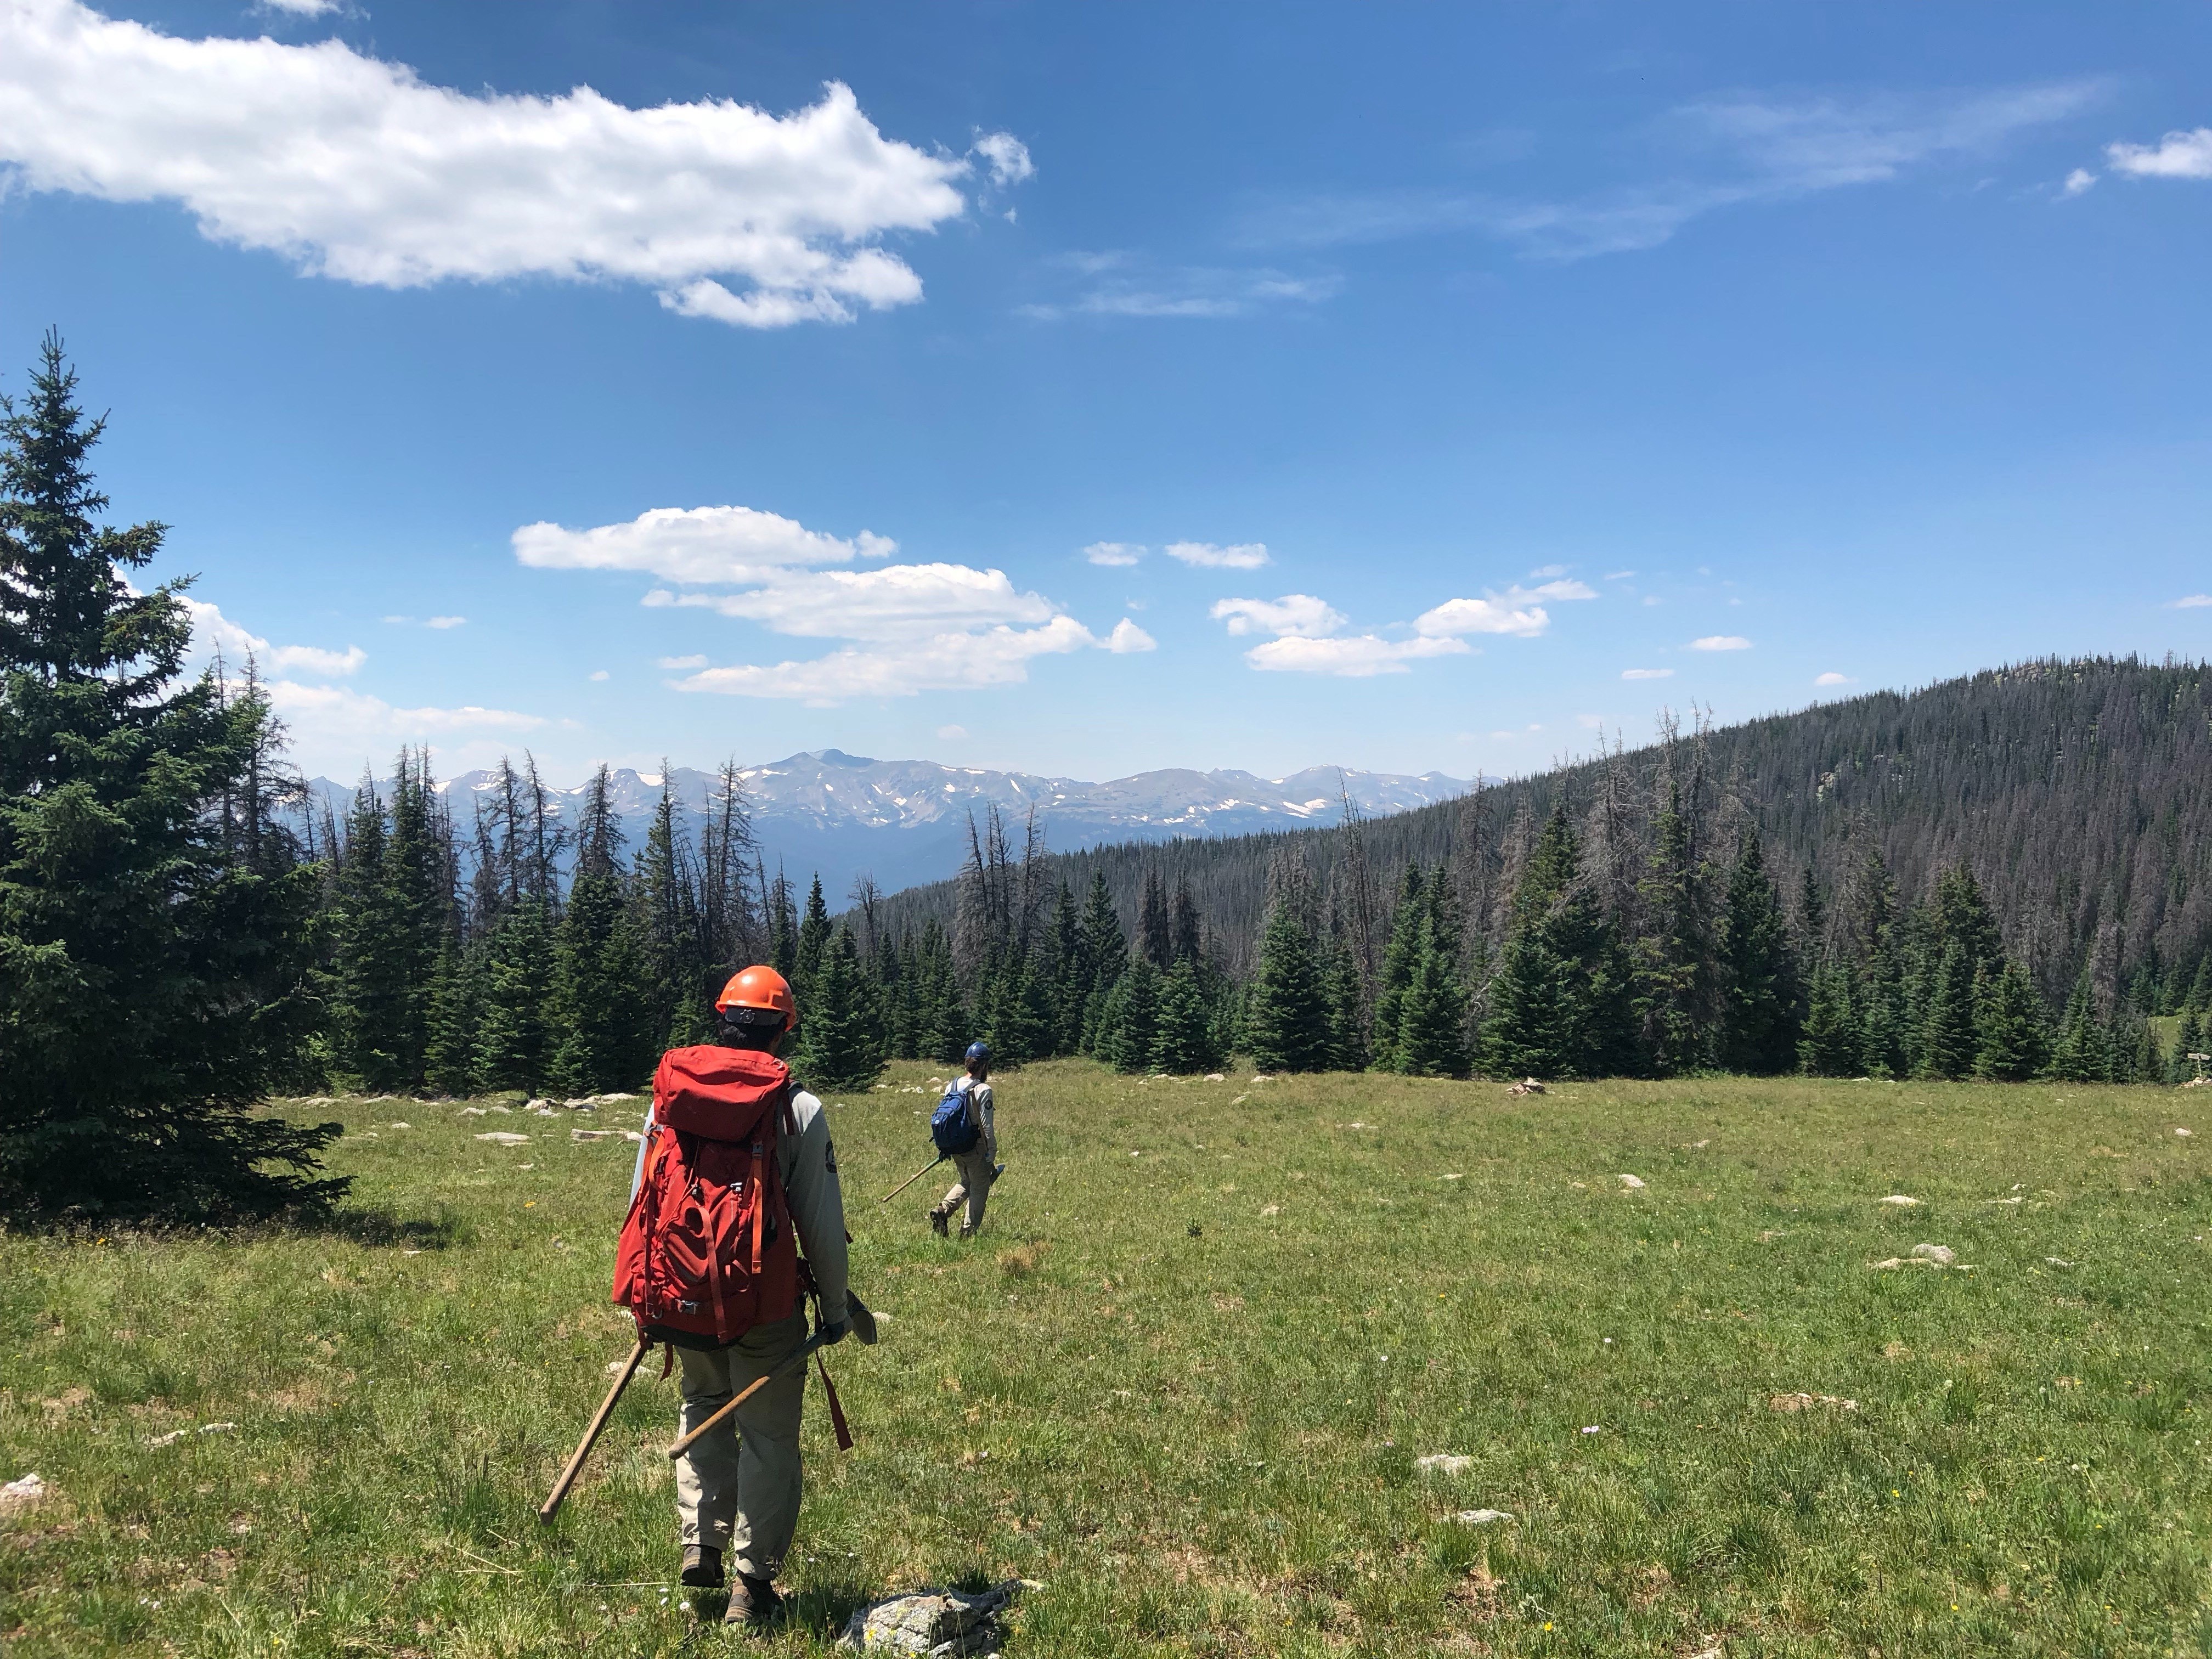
[738, 1489]
[974, 1166]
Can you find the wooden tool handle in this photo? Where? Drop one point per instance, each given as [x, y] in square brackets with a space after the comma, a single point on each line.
[584, 1450]
[797, 1357]
[911, 1179]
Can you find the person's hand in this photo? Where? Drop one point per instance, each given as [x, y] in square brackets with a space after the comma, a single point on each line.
[833, 1333]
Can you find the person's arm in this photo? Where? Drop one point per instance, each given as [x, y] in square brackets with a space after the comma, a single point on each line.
[637, 1170]
[817, 1206]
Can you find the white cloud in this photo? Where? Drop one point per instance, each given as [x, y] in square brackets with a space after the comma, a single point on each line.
[1299, 614]
[213, 632]
[1006, 156]
[446, 622]
[2177, 156]
[1832, 678]
[2190, 602]
[1543, 570]
[1721, 642]
[1114, 553]
[1457, 617]
[1725, 153]
[1357, 657]
[991, 658]
[302, 8]
[1119, 284]
[1243, 556]
[694, 544]
[356, 168]
[2077, 181]
[1647, 673]
[897, 601]
[335, 727]
[952, 733]
[598, 674]
[1619, 575]
[1128, 637]
[911, 627]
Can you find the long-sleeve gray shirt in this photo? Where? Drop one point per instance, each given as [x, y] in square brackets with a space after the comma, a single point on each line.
[808, 1164]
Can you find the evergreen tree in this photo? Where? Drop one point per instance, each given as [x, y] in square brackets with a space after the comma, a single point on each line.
[1758, 971]
[1560, 1002]
[813, 943]
[1072, 972]
[1348, 1032]
[1949, 1040]
[2015, 1044]
[2200, 988]
[1186, 928]
[515, 1047]
[1812, 913]
[1155, 930]
[1130, 1024]
[1399, 958]
[1184, 1038]
[155, 944]
[1288, 1023]
[783, 929]
[2189, 1038]
[456, 993]
[1107, 951]
[1882, 1016]
[1675, 990]
[1831, 1045]
[841, 1045]
[606, 1024]
[2078, 1055]
[1432, 1017]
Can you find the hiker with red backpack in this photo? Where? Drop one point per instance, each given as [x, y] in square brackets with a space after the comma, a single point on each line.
[736, 1179]
[965, 1132]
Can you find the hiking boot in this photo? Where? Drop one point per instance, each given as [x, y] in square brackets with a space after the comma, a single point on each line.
[703, 1566]
[967, 1233]
[753, 1602]
[939, 1222]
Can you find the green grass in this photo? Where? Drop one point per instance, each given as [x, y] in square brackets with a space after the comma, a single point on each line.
[1182, 1380]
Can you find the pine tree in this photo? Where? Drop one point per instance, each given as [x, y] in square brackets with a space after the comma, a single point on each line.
[840, 1046]
[2015, 1044]
[2077, 1054]
[782, 929]
[1560, 1002]
[1288, 1025]
[1831, 1045]
[1107, 950]
[1949, 1039]
[1348, 1032]
[1184, 1031]
[1072, 971]
[515, 1047]
[1399, 958]
[1882, 1006]
[813, 943]
[606, 1024]
[155, 950]
[2189, 1038]
[1185, 928]
[1432, 1018]
[1675, 963]
[1155, 932]
[1812, 914]
[457, 991]
[1130, 1024]
[2200, 988]
[1758, 971]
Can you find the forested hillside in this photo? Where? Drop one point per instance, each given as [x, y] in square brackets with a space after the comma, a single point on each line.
[2078, 795]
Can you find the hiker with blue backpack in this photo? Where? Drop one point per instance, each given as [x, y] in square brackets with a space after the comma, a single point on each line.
[962, 1127]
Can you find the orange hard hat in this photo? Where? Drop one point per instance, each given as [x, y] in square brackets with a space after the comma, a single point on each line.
[761, 988]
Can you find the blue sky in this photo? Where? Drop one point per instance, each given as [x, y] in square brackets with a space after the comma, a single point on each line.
[1091, 390]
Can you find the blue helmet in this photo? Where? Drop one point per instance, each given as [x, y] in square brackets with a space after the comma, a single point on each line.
[978, 1051]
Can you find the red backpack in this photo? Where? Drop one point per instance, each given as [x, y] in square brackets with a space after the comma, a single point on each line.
[707, 1252]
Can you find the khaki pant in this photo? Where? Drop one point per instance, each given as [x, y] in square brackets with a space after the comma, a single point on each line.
[738, 1489]
[975, 1167]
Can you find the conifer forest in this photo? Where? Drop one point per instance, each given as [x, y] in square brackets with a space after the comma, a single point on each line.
[2005, 877]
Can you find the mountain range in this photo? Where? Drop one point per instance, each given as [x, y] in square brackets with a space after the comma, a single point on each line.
[905, 822]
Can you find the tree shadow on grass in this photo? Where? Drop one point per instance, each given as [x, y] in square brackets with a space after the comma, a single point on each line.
[379, 1228]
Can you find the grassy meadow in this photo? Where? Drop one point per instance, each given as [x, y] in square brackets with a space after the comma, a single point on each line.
[1184, 1379]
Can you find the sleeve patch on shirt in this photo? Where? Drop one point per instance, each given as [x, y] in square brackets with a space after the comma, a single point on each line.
[829, 1156]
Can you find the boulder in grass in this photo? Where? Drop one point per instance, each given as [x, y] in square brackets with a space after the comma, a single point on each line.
[1900, 1201]
[938, 1623]
[1942, 1255]
[21, 1494]
[1444, 1463]
[502, 1138]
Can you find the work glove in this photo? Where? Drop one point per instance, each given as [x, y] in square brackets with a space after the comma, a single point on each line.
[834, 1331]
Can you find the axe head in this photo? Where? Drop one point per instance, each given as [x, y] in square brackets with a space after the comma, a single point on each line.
[864, 1322]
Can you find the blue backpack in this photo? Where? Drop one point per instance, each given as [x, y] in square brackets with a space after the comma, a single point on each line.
[951, 1126]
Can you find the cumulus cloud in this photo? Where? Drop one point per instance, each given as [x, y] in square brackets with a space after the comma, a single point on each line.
[908, 626]
[1721, 642]
[1128, 637]
[2077, 181]
[1832, 677]
[1006, 157]
[1299, 614]
[1242, 555]
[2190, 602]
[356, 169]
[1114, 553]
[598, 674]
[1457, 616]
[1356, 657]
[213, 632]
[695, 544]
[2177, 156]
[1647, 673]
